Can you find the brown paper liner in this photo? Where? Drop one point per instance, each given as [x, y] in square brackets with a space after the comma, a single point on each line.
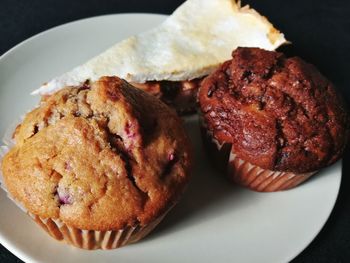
[91, 239]
[247, 174]
[262, 180]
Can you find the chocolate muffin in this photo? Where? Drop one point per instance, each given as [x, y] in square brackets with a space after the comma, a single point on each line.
[100, 165]
[272, 121]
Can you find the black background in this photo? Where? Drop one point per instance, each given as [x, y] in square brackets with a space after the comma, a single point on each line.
[319, 30]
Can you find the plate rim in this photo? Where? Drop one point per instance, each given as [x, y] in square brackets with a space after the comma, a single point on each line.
[335, 199]
[25, 41]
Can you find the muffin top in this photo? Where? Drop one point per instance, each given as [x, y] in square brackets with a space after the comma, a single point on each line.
[279, 113]
[99, 157]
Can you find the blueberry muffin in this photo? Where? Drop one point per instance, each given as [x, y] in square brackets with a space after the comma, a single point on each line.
[100, 165]
[271, 121]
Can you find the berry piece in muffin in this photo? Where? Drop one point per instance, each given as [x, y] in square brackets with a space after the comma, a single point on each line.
[274, 120]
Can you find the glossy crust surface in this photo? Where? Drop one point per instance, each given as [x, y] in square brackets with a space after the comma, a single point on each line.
[99, 157]
[279, 113]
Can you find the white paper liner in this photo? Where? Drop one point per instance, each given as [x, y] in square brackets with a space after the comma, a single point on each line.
[3, 150]
[9, 142]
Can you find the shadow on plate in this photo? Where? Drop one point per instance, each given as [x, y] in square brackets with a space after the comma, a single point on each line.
[207, 194]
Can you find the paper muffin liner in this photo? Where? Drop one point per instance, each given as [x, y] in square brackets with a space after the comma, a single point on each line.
[92, 239]
[8, 142]
[262, 180]
[85, 239]
[245, 173]
[3, 150]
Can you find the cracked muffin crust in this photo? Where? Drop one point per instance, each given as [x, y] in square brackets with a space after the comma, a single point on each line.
[278, 113]
[99, 157]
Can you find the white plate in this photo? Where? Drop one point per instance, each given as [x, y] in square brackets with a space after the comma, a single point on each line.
[214, 222]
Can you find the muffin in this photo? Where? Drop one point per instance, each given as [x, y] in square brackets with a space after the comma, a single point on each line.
[100, 165]
[271, 121]
[179, 95]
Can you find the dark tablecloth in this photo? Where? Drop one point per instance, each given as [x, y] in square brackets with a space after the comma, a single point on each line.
[319, 30]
